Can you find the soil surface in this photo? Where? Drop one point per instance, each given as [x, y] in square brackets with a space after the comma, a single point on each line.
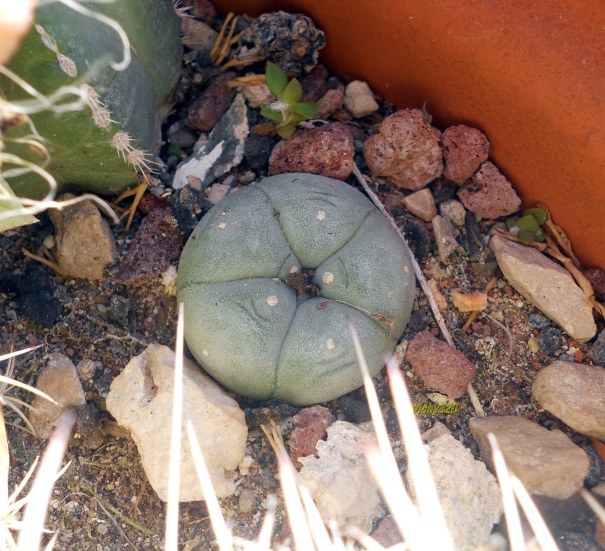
[104, 501]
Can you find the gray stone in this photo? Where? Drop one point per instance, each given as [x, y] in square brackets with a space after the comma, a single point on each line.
[59, 380]
[339, 479]
[546, 285]
[454, 210]
[141, 400]
[247, 501]
[223, 150]
[575, 393]
[549, 340]
[444, 237]
[546, 462]
[197, 35]
[468, 493]
[84, 243]
[538, 321]
[597, 350]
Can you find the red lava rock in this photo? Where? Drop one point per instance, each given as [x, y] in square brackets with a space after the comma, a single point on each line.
[150, 202]
[157, 242]
[331, 102]
[464, 149]
[342, 115]
[406, 150]
[489, 193]
[357, 132]
[212, 104]
[201, 9]
[310, 426]
[393, 201]
[599, 447]
[440, 366]
[327, 150]
[314, 86]
[386, 533]
[596, 276]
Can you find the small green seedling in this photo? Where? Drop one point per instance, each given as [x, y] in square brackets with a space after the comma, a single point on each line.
[528, 228]
[288, 110]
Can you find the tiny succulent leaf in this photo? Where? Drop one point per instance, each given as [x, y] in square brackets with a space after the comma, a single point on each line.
[271, 114]
[540, 215]
[297, 118]
[527, 236]
[540, 235]
[528, 223]
[307, 109]
[286, 131]
[174, 150]
[293, 92]
[512, 222]
[276, 79]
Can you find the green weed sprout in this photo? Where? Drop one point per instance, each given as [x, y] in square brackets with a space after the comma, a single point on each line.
[529, 227]
[288, 110]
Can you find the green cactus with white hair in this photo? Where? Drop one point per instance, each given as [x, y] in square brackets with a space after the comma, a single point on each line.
[121, 60]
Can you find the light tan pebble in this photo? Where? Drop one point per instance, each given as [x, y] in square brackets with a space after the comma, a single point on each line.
[359, 99]
[469, 302]
[421, 204]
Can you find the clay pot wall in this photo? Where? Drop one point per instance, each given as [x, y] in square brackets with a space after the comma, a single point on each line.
[531, 75]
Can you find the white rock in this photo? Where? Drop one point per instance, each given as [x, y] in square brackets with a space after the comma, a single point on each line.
[59, 380]
[468, 492]
[547, 285]
[546, 462]
[258, 95]
[339, 479]
[141, 400]
[169, 280]
[223, 150]
[359, 99]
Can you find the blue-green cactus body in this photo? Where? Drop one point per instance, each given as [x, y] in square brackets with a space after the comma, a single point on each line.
[251, 330]
[83, 151]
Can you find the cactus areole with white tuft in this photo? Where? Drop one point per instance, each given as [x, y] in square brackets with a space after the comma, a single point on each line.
[101, 146]
[270, 276]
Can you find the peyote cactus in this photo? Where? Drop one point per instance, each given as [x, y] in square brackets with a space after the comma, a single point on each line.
[100, 147]
[269, 277]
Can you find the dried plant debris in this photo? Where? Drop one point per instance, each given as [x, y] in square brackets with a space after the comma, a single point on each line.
[292, 41]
